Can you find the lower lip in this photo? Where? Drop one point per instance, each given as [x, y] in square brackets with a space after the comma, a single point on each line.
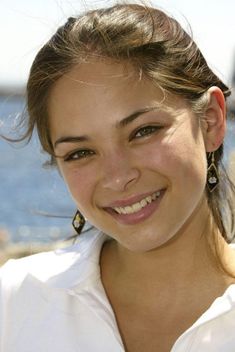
[139, 216]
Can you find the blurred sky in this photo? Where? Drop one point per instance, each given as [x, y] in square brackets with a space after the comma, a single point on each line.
[26, 24]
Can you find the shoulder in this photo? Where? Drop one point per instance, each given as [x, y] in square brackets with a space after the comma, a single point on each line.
[48, 265]
[38, 293]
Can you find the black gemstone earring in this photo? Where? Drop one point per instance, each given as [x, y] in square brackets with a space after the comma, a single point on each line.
[212, 173]
[78, 222]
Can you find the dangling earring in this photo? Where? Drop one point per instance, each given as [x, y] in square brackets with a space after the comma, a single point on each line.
[212, 173]
[78, 222]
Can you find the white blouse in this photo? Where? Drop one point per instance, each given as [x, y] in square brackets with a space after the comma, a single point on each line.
[55, 301]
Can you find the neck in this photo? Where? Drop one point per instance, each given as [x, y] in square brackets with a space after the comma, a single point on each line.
[180, 264]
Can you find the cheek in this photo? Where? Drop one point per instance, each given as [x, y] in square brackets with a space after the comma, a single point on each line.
[178, 159]
[80, 184]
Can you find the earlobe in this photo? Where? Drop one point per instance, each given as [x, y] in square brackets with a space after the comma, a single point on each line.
[215, 116]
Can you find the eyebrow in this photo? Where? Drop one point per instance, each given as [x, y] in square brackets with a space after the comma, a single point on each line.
[124, 122]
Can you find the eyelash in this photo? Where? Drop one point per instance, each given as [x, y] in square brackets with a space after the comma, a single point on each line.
[84, 153]
[146, 130]
[79, 154]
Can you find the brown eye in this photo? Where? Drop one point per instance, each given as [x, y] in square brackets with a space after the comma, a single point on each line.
[79, 154]
[146, 131]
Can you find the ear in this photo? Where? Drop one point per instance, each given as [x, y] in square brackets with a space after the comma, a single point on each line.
[214, 119]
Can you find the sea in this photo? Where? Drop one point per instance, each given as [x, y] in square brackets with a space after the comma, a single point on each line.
[35, 205]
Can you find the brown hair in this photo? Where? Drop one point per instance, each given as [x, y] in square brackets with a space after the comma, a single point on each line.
[156, 45]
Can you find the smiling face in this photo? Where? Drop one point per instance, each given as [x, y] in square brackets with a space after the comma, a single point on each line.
[134, 161]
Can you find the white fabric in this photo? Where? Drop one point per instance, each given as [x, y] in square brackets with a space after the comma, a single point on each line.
[55, 301]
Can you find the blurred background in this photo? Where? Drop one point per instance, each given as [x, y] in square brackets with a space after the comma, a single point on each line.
[35, 207]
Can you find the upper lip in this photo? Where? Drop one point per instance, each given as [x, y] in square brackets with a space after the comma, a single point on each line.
[131, 200]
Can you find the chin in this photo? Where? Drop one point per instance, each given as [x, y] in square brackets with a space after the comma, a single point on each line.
[144, 244]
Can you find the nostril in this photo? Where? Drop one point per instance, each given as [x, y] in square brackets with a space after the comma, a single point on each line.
[121, 179]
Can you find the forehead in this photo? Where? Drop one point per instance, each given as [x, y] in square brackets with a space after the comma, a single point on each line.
[105, 90]
[101, 73]
[107, 77]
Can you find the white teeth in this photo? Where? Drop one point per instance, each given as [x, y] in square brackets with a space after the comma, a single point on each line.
[122, 210]
[143, 203]
[134, 208]
[149, 199]
[128, 209]
[156, 195]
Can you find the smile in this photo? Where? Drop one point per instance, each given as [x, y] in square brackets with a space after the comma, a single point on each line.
[140, 209]
[134, 208]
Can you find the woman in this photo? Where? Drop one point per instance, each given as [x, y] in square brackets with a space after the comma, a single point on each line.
[130, 112]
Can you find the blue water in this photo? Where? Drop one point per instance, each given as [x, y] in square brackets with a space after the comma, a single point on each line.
[27, 189]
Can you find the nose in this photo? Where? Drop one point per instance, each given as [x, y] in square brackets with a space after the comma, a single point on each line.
[119, 173]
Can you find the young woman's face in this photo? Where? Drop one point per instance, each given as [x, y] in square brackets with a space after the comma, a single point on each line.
[134, 162]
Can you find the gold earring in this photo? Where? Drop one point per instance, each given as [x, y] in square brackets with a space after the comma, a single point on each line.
[212, 173]
[78, 222]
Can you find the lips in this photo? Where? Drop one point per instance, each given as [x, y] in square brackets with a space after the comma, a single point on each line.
[137, 208]
[134, 208]
[131, 200]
